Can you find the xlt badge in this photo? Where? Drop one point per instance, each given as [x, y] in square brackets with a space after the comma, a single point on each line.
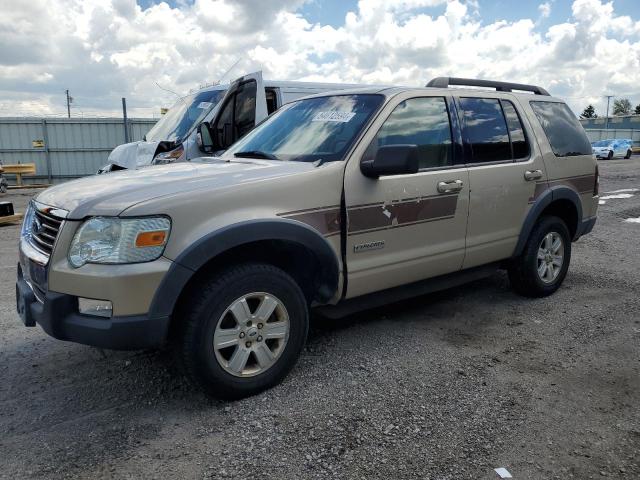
[363, 247]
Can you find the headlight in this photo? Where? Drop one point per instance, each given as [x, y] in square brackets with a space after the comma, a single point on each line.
[119, 240]
[27, 223]
[168, 157]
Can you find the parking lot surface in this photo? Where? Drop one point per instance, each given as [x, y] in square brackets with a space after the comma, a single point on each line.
[445, 386]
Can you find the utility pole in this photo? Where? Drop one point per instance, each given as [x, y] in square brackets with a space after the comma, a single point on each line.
[68, 104]
[124, 115]
[606, 126]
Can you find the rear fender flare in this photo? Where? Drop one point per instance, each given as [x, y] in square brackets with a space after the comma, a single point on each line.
[549, 196]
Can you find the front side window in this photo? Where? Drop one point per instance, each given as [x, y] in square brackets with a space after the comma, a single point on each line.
[238, 115]
[423, 122]
[487, 138]
[316, 129]
[245, 110]
[565, 134]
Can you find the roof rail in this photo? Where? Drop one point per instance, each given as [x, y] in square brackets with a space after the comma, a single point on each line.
[444, 82]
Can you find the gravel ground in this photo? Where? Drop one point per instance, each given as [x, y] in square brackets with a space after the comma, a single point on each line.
[446, 386]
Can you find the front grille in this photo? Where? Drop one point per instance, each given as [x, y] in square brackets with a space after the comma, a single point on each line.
[44, 231]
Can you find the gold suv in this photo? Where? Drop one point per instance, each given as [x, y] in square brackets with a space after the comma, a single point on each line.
[339, 201]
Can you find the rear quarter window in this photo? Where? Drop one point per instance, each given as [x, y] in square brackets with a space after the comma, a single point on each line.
[565, 134]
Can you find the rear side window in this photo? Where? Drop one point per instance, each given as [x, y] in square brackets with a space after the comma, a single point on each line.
[485, 129]
[565, 134]
[422, 121]
[516, 132]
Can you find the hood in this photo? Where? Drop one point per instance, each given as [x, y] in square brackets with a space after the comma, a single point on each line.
[133, 155]
[111, 194]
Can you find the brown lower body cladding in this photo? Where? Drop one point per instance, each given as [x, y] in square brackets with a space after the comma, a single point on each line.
[378, 216]
[581, 184]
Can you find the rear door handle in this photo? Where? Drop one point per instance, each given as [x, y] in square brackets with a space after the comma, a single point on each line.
[450, 186]
[532, 174]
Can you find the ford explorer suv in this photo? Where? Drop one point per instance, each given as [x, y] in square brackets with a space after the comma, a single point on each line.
[337, 202]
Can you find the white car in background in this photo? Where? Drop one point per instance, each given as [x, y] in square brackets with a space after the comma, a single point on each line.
[617, 147]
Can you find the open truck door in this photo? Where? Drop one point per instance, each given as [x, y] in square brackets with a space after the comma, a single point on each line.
[243, 106]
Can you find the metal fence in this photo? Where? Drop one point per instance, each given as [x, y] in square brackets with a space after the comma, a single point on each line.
[65, 148]
[606, 134]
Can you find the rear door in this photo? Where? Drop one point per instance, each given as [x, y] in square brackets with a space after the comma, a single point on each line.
[243, 106]
[405, 228]
[504, 171]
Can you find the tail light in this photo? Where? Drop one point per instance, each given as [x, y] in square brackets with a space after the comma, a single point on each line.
[596, 183]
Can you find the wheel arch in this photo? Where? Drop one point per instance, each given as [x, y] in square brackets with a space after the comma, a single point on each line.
[308, 254]
[561, 201]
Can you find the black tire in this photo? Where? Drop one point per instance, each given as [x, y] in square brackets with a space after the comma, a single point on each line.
[202, 311]
[610, 156]
[628, 155]
[523, 271]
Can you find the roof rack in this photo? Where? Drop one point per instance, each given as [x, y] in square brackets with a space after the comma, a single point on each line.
[444, 82]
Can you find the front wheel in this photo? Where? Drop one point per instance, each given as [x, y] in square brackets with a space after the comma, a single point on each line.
[542, 266]
[242, 330]
[610, 156]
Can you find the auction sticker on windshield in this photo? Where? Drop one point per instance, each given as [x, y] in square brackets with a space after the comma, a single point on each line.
[333, 116]
[204, 104]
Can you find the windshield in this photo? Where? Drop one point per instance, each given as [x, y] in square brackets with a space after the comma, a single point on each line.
[183, 116]
[316, 129]
[602, 143]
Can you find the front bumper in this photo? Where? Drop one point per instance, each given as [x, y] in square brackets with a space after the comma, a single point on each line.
[604, 154]
[58, 315]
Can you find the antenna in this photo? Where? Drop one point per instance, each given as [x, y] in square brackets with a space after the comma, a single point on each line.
[170, 91]
[228, 70]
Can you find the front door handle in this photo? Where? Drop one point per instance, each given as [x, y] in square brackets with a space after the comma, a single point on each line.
[450, 186]
[532, 174]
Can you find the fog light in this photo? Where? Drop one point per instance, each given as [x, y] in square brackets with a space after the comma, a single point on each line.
[98, 308]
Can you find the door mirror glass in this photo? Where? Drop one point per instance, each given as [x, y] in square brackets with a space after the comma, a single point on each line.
[203, 138]
[392, 160]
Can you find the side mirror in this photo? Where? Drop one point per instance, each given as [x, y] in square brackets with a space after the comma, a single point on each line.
[203, 137]
[392, 160]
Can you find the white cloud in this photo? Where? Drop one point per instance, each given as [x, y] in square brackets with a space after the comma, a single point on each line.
[544, 9]
[103, 50]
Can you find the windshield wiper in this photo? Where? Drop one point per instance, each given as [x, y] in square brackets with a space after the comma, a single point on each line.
[256, 154]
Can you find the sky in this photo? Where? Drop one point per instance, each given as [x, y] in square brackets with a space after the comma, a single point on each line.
[148, 51]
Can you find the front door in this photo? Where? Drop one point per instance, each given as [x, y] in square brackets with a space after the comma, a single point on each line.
[243, 106]
[406, 228]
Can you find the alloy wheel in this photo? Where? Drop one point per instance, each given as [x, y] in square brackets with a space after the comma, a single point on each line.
[251, 334]
[550, 257]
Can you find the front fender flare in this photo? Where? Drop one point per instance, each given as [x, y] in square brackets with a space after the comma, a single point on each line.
[215, 243]
[559, 192]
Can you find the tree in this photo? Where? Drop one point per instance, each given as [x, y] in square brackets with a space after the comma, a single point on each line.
[590, 112]
[637, 110]
[622, 106]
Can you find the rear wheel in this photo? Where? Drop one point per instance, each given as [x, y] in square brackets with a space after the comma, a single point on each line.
[543, 265]
[628, 155]
[243, 330]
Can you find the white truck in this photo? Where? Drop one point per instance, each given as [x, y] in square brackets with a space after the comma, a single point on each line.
[232, 109]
